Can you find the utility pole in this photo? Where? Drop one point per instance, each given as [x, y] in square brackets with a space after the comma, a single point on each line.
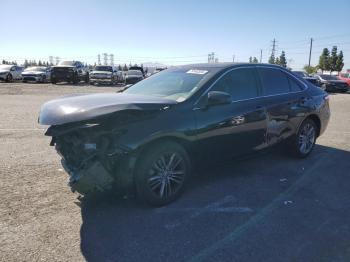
[99, 59]
[51, 59]
[273, 47]
[111, 59]
[311, 40]
[211, 57]
[105, 59]
[233, 58]
[260, 56]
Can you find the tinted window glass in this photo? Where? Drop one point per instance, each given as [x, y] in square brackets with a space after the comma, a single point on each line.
[274, 81]
[239, 83]
[294, 85]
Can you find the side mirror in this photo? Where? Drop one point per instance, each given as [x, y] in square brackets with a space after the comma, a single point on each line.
[218, 98]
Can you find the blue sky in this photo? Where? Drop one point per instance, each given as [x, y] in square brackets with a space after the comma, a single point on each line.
[172, 32]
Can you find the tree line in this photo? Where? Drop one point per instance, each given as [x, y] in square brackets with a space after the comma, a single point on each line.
[328, 61]
[281, 60]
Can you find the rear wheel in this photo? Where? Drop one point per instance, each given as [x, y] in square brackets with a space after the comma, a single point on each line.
[75, 79]
[161, 173]
[303, 143]
[87, 78]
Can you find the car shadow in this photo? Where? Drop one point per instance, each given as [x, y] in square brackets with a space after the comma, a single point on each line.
[218, 199]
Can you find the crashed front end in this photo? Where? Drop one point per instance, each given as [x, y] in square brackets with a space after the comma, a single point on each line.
[90, 156]
[91, 132]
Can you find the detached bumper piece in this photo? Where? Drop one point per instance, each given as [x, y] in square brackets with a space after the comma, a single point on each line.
[91, 178]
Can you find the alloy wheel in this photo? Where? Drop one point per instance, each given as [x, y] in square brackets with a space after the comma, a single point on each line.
[307, 138]
[167, 175]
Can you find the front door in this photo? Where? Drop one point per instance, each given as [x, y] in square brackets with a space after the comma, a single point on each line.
[236, 128]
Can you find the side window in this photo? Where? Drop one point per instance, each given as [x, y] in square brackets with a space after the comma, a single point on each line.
[294, 85]
[239, 83]
[274, 81]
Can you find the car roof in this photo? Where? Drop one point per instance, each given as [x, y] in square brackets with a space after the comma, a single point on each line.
[224, 65]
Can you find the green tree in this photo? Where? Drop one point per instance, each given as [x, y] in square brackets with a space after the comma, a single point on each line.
[340, 62]
[272, 59]
[310, 69]
[255, 60]
[125, 68]
[282, 59]
[323, 62]
[333, 59]
[120, 68]
[277, 61]
[250, 59]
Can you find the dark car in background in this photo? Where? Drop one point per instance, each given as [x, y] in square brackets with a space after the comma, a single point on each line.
[37, 74]
[69, 71]
[133, 76]
[332, 83]
[307, 77]
[150, 136]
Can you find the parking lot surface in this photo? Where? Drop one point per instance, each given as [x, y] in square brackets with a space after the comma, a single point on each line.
[268, 207]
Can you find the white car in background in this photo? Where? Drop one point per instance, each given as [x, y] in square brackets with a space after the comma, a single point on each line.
[9, 73]
[104, 74]
[37, 74]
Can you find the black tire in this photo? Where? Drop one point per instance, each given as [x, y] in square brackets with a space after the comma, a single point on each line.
[53, 81]
[9, 78]
[157, 182]
[87, 78]
[43, 79]
[304, 141]
[75, 79]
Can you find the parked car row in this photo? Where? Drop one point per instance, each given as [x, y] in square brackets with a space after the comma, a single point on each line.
[329, 83]
[72, 72]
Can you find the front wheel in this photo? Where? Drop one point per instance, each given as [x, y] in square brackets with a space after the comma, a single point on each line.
[304, 141]
[161, 173]
[9, 78]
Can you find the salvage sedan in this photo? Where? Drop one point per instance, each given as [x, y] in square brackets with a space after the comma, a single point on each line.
[149, 137]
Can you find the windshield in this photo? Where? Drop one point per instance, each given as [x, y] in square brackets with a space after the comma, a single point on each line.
[6, 67]
[103, 68]
[134, 72]
[35, 68]
[329, 77]
[67, 63]
[176, 84]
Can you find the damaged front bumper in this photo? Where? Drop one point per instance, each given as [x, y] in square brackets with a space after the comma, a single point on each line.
[90, 178]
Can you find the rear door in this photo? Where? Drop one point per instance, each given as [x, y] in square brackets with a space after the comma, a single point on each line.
[236, 128]
[285, 102]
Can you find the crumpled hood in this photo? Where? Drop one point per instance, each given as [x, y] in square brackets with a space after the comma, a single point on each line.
[87, 106]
